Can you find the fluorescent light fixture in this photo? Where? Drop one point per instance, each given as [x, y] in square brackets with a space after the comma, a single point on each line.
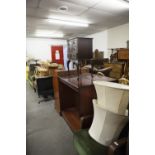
[49, 34]
[67, 22]
[75, 19]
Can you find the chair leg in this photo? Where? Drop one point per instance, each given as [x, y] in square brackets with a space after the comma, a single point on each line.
[45, 99]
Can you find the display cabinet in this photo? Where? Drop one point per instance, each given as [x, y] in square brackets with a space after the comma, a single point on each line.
[80, 49]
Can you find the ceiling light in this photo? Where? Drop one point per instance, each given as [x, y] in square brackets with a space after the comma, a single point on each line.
[67, 22]
[48, 34]
[76, 19]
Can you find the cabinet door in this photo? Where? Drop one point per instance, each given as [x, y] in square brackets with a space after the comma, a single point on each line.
[72, 49]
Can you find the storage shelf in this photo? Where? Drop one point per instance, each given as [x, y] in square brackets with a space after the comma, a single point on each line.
[72, 118]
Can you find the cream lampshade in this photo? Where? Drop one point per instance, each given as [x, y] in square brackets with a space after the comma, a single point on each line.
[112, 96]
[109, 111]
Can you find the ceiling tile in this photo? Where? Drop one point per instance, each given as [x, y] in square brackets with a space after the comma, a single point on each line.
[112, 6]
[42, 13]
[88, 3]
[32, 3]
[95, 16]
[73, 9]
[115, 21]
[37, 12]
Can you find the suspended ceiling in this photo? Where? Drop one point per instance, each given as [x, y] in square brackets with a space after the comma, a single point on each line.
[97, 13]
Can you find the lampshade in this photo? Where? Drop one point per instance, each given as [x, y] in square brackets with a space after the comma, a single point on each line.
[112, 96]
[109, 111]
[106, 125]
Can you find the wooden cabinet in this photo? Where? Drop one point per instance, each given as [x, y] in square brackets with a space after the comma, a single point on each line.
[80, 49]
[123, 54]
[76, 99]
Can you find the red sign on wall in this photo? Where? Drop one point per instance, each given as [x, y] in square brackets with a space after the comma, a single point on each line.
[57, 54]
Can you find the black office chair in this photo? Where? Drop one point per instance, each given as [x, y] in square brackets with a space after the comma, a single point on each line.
[44, 86]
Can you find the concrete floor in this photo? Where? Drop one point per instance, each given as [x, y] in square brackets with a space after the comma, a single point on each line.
[47, 132]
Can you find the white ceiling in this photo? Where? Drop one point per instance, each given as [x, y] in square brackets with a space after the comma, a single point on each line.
[98, 13]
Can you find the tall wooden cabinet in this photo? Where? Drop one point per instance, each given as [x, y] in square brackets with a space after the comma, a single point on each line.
[80, 49]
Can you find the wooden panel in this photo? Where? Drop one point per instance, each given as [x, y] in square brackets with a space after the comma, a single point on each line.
[85, 48]
[56, 90]
[86, 96]
[72, 118]
[123, 54]
[52, 70]
[67, 96]
[61, 73]
[85, 80]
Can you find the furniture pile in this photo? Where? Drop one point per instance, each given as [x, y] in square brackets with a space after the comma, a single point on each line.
[40, 77]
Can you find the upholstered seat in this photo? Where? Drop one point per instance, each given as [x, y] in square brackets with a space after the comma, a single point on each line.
[85, 145]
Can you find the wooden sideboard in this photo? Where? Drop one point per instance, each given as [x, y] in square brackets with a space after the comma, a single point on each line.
[56, 74]
[62, 73]
[76, 99]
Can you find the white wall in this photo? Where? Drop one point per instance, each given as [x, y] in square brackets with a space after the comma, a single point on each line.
[118, 36]
[100, 41]
[111, 38]
[40, 48]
